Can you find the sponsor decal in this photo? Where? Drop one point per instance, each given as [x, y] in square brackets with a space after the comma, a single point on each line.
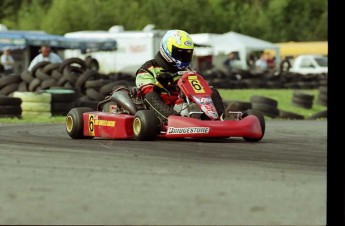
[188, 43]
[210, 110]
[102, 122]
[206, 100]
[188, 130]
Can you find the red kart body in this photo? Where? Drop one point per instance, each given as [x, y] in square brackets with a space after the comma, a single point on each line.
[143, 124]
[120, 126]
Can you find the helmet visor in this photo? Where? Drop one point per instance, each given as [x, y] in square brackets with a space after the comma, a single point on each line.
[183, 55]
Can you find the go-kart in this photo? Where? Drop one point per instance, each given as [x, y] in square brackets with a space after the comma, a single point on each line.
[124, 115]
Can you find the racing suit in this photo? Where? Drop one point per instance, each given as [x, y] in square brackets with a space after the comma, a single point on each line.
[157, 98]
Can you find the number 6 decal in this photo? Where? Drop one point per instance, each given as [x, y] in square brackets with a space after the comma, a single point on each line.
[193, 80]
[91, 125]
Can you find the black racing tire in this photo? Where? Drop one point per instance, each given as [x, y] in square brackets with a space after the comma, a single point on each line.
[9, 79]
[41, 75]
[38, 65]
[264, 100]
[26, 76]
[94, 94]
[73, 61]
[34, 84]
[318, 115]
[108, 89]
[50, 82]
[87, 75]
[10, 88]
[11, 110]
[261, 118]
[56, 74]
[92, 63]
[97, 84]
[266, 109]
[303, 103]
[23, 87]
[75, 123]
[49, 68]
[146, 125]
[61, 81]
[70, 75]
[290, 115]
[303, 96]
[10, 101]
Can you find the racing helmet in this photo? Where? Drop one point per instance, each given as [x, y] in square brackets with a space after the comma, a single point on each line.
[177, 48]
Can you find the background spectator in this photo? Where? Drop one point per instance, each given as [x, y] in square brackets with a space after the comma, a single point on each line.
[228, 62]
[45, 55]
[261, 63]
[7, 61]
[270, 61]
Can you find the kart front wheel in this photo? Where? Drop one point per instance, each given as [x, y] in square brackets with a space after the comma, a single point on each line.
[261, 118]
[75, 123]
[146, 126]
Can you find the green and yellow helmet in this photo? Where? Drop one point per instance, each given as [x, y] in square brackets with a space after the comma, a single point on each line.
[177, 48]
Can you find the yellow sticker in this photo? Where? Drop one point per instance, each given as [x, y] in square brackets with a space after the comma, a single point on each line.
[193, 80]
[91, 125]
[102, 122]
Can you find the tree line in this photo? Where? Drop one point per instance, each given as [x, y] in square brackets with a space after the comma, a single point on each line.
[271, 20]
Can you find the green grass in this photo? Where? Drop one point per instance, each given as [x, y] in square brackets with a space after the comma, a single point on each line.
[55, 119]
[283, 96]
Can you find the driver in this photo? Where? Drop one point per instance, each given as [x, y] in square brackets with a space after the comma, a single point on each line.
[157, 76]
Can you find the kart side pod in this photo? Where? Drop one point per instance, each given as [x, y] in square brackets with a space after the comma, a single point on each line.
[123, 99]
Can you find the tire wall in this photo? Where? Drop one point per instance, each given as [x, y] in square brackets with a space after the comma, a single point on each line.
[77, 83]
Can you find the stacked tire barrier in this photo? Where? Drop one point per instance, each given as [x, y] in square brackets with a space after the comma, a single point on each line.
[77, 83]
[62, 100]
[10, 107]
[322, 97]
[34, 104]
[303, 100]
[9, 84]
[245, 79]
[72, 83]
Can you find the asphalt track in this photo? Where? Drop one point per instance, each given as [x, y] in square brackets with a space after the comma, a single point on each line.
[48, 178]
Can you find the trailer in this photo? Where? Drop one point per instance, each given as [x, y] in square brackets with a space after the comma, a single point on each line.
[133, 48]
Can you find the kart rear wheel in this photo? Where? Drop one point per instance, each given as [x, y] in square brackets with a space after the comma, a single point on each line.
[261, 118]
[75, 123]
[146, 126]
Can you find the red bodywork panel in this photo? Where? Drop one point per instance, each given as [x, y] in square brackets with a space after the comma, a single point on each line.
[193, 84]
[120, 126]
[103, 124]
[189, 127]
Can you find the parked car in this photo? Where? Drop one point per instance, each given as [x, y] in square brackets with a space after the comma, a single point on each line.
[310, 64]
